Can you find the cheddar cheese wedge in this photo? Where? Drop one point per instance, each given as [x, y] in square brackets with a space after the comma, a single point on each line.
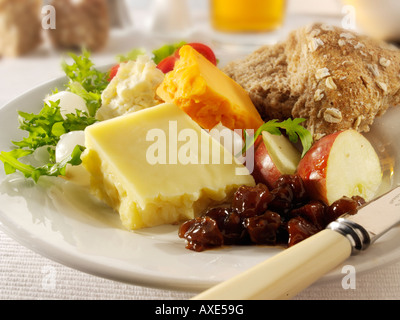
[207, 94]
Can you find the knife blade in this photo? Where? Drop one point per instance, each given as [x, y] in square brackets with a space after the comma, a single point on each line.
[371, 222]
[296, 268]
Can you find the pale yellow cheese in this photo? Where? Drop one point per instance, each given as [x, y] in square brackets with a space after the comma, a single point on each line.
[157, 166]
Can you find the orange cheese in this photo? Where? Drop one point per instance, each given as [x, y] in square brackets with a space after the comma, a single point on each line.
[207, 94]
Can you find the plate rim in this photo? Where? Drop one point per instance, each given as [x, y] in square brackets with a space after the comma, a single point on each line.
[91, 267]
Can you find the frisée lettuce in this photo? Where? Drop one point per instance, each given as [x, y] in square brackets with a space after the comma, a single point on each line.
[45, 128]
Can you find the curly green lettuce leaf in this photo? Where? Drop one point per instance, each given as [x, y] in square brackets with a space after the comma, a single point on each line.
[131, 55]
[92, 99]
[12, 163]
[45, 129]
[42, 128]
[85, 80]
[158, 54]
[165, 51]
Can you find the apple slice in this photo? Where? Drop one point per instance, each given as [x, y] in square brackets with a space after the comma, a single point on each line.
[341, 164]
[274, 156]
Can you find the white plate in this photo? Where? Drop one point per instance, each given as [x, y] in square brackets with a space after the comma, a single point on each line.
[65, 223]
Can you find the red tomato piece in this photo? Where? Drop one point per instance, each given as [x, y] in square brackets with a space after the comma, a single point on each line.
[113, 72]
[203, 49]
[166, 65]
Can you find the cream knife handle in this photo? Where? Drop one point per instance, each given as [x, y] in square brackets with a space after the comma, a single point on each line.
[287, 273]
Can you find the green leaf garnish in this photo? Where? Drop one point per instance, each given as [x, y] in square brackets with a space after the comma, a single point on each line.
[165, 51]
[85, 80]
[293, 128]
[40, 127]
[92, 98]
[46, 127]
[12, 164]
[131, 55]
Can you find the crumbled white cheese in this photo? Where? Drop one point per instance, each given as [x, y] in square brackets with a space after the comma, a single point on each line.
[132, 89]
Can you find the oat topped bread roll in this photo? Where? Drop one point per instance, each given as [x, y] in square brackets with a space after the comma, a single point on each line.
[335, 78]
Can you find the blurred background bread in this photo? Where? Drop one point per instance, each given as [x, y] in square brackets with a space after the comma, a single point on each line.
[20, 26]
[80, 23]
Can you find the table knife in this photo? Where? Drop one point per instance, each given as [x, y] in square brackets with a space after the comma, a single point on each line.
[296, 268]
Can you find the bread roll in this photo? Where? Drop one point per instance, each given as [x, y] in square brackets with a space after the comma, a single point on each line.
[20, 27]
[80, 24]
[334, 78]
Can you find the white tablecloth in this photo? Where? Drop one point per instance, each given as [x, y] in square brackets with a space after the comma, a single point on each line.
[23, 273]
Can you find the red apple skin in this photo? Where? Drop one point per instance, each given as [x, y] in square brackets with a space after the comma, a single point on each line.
[312, 167]
[265, 171]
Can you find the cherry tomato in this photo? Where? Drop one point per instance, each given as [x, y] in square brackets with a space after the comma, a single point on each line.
[166, 65]
[113, 72]
[205, 50]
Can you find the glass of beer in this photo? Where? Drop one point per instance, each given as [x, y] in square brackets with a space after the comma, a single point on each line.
[247, 19]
